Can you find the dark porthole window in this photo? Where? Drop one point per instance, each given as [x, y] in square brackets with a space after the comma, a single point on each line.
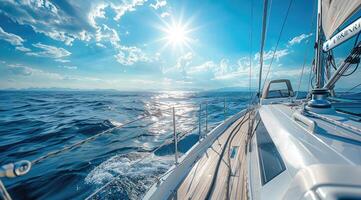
[271, 163]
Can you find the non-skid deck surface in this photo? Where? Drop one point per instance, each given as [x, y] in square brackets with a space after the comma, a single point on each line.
[226, 176]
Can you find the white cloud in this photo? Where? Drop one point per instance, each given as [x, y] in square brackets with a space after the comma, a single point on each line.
[62, 60]
[165, 14]
[54, 20]
[49, 51]
[227, 71]
[298, 39]
[269, 54]
[71, 67]
[127, 6]
[66, 22]
[44, 17]
[105, 33]
[11, 38]
[126, 55]
[23, 49]
[184, 60]
[158, 4]
[21, 70]
[98, 11]
[223, 66]
[100, 45]
[204, 67]
[14, 40]
[130, 55]
[61, 36]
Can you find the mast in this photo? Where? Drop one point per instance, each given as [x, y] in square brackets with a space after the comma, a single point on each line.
[318, 46]
[263, 37]
[319, 94]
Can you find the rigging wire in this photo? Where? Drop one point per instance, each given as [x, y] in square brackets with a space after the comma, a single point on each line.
[250, 62]
[306, 52]
[278, 40]
[268, 16]
[81, 142]
[353, 71]
[250, 51]
[354, 87]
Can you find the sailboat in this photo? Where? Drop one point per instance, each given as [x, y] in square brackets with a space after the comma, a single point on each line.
[281, 148]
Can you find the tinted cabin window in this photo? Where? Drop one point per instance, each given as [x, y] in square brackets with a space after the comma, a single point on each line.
[271, 163]
[278, 90]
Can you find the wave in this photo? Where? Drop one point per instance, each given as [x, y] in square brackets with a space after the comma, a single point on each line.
[131, 172]
[33, 124]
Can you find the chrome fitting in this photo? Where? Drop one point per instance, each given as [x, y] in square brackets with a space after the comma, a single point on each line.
[319, 98]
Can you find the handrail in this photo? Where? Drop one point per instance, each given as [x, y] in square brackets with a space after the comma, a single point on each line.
[176, 136]
[297, 116]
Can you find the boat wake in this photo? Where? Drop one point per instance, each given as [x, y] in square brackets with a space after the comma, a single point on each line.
[131, 174]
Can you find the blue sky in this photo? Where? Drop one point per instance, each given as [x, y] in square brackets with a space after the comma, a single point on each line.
[131, 44]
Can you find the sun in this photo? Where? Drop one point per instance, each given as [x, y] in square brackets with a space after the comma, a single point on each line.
[176, 34]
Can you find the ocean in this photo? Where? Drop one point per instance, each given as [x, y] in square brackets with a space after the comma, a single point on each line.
[34, 123]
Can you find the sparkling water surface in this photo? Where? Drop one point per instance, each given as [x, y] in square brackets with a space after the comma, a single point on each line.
[34, 123]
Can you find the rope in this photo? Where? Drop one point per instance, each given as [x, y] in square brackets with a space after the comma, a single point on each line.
[357, 65]
[278, 40]
[229, 154]
[234, 131]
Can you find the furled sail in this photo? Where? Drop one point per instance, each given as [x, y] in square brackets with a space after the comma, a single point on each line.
[336, 12]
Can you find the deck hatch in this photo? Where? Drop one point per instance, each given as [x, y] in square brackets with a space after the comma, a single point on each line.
[234, 151]
[271, 163]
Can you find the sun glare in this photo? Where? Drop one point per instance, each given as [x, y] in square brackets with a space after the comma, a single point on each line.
[176, 35]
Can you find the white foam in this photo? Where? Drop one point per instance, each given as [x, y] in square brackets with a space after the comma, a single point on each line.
[128, 166]
[115, 123]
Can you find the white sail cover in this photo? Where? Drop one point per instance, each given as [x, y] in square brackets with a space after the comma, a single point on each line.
[336, 12]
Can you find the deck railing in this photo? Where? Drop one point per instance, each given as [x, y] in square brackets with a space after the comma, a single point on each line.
[22, 167]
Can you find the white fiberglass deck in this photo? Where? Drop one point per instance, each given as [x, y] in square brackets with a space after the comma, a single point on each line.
[314, 160]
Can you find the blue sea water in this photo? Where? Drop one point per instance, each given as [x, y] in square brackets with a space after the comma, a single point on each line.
[34, 123]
